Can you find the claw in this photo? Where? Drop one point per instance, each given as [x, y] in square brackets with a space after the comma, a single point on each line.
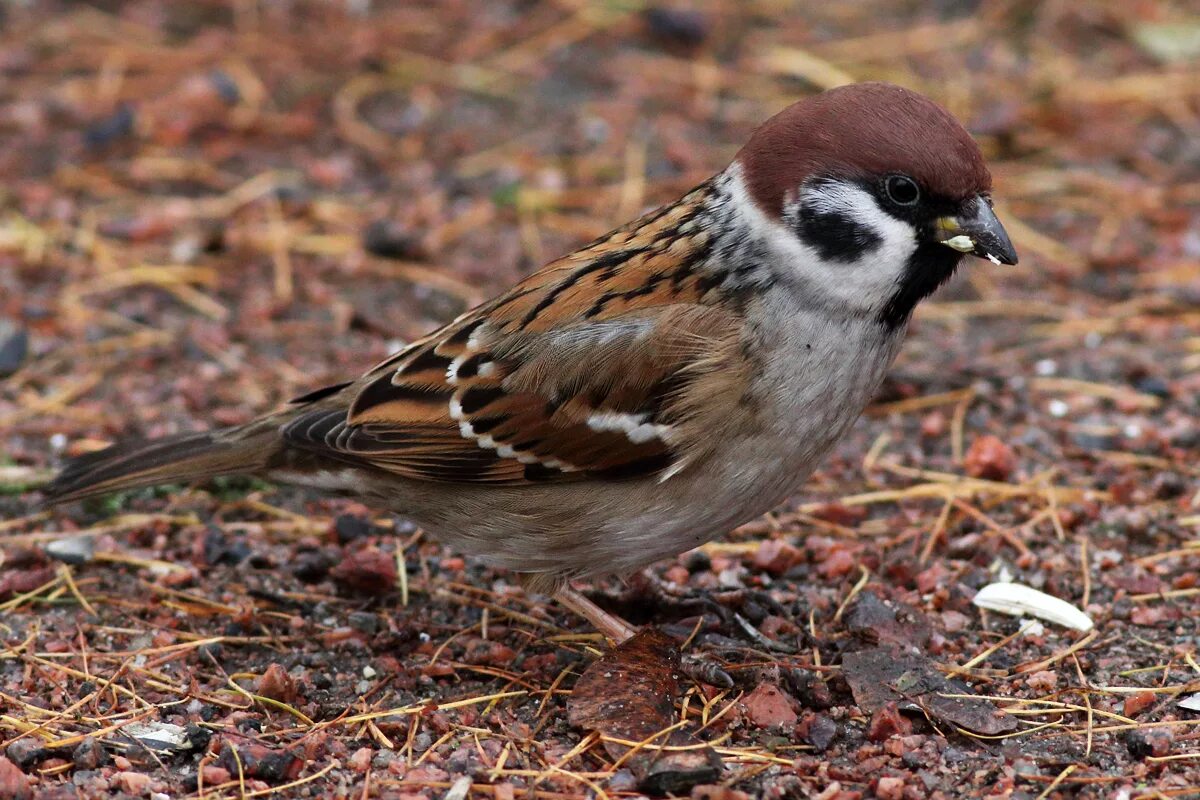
[704, 670]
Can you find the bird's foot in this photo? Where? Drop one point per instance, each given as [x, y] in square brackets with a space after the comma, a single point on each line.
[696, 667]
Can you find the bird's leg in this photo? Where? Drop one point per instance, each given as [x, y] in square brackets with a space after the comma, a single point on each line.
[696, 667]
[610, 625]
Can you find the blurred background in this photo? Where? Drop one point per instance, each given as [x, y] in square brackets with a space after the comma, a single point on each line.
[207, 208]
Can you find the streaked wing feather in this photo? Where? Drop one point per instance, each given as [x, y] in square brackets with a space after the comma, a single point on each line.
[580, 371]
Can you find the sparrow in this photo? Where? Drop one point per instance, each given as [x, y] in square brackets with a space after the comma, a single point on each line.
[665, 383]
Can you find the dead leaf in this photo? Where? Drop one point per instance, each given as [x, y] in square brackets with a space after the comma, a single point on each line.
[629, 694]
[885, 675]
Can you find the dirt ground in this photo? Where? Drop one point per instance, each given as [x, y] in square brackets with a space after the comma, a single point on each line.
[208, 208]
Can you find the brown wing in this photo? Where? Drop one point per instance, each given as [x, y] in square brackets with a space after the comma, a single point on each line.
[587, 369]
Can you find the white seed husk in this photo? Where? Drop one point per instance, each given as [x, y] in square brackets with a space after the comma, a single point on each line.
[1018, 599]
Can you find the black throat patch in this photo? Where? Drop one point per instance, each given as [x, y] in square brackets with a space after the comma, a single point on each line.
[930, 265]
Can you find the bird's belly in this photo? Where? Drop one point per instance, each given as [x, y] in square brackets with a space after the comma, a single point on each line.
[620, 527]
[810, 398]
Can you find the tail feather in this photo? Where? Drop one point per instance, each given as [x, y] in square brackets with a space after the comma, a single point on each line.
[186, 457]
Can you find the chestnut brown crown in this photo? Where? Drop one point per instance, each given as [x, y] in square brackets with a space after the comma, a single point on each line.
[863, 130]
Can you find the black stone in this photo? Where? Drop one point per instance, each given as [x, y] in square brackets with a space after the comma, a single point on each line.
[349, 528]
[14, 348]
[390, 239]
[678, 27]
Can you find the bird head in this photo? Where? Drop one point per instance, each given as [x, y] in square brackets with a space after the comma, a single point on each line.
[875, 194]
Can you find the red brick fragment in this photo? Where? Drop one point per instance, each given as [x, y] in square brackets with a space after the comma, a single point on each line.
[888, 722]
[369, 571]
[769, 707]
[776, 556]
[14, 784]
[990, 458]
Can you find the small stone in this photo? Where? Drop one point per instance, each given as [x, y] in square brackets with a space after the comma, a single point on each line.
[361, 760]
[259, 761]
[820, 731]
[349, 527]
[990, 458]
[888, 722]
[363, 621]
[390, 239]
[1042, 681]
[311, 566]
[369, 571]
[88, 755]
[889, 788]
[159, 736]
[623, 780]
[14, 784]
[14, 347]
[1137, 703]
[214, 775]
[26, 752]
[74, 550]
[134, 783]
[1153, 615]
[489, 654]
[776, 556]
[277, 684]
[1149, 742]
[769, 707]
[839, 563]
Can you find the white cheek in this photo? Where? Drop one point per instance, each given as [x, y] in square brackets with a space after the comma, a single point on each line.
[865, 283]
[872, 277]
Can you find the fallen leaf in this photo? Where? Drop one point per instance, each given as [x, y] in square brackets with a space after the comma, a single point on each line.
[884, 675]
[629, 694]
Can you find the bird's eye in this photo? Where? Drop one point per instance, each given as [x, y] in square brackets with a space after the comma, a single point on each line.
[902, 190]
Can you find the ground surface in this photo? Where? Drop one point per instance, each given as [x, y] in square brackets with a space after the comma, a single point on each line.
[208, 208]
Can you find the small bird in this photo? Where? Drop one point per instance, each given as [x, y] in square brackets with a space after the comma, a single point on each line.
[673, 379]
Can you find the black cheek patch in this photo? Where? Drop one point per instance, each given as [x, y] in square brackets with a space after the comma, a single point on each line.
[834, 235]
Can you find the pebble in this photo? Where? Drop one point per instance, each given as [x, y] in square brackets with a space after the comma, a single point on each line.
[214, 775]
[361, 760]
[889, 788]
[14, 784]
[25, 752]
[1137, 703]
[679, 27]
[134, 783]
[390, 239]
[369, 571]
[14, 347]
[776, 556]
[990, 458]
[1149, 742]
[769, 707]
[89, 754]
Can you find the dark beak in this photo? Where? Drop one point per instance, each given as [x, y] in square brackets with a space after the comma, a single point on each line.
[977, 231]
